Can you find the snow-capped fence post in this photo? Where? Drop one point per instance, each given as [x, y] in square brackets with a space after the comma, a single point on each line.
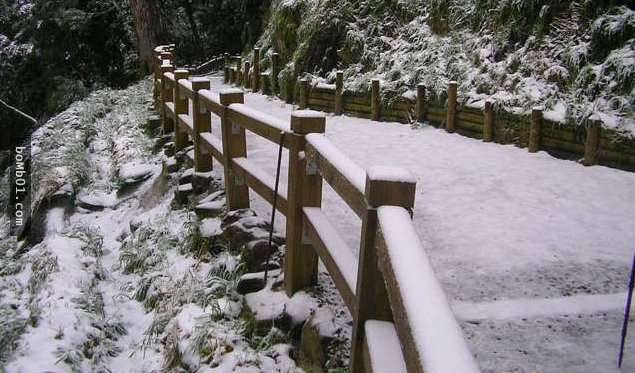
[304, 94]
[488, 121]
[450, 121]
[420, 103]
[201, 122]
[384, 186]
[166, 96]
[255, 75]
[226, 68]
[246, 81]
[534, 130]
[275, 69]
[239, 73]
[180, 107]
[304, 190]
[375, 101]
[339, 87]
[592, 143]
[234, 146]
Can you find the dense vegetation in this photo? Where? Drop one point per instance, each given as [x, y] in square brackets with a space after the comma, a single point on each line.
[54, 52]
[574, 54]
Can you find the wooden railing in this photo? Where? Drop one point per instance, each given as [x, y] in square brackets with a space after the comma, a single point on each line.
[402, 319]
[591, 143]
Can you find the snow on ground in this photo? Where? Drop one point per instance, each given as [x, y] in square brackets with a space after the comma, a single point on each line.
[500, 224]
[114, 285]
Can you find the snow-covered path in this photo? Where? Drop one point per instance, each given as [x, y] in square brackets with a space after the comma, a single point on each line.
[500, 224]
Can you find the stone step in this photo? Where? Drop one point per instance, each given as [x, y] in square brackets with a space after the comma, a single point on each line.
[186, 176]
[172, 165]
[182, 192]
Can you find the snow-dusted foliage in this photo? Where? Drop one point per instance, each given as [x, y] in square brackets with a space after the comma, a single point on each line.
[573, 57]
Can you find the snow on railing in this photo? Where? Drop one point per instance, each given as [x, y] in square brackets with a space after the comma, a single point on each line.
[411, 325]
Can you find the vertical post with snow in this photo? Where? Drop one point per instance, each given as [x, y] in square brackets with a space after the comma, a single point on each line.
[304, 94]
[201, 121]
[592, 143]
[255, 75]
[420, 105]
[339, 88]
[226, 68]
[488, 121]
[234, 146]
[535, 129]
[450, 121]
[304, 190]
[239, 73]
[384, 186]
[180, 107]
[246, 80]
[275, 69]
[166, 96]
[375, 101]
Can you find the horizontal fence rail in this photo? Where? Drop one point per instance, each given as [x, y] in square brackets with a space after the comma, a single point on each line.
[402, 320]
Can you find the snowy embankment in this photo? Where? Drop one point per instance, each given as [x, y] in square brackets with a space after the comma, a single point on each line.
[118, 282]
[507, 233]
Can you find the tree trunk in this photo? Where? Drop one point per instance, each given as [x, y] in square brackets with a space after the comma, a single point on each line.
[147, 26]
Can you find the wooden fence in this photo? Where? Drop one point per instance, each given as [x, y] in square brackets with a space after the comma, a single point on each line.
[591, 143]
[402, 319]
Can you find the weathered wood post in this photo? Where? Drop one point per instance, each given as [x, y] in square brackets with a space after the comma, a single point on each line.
[375, 100]
[382, 188]
[339, 88]
[180, 107]
[488, 121]
[421, 102]
[534, 130]
[450, 124]
[275, 69]
[255, 75]
[166, 96]
[239, 73]
[234, 146]
[592, 143]
[202, 123]
[232, 75]
[304, 190]
[246, 80]
[304, 94]
[226, 68]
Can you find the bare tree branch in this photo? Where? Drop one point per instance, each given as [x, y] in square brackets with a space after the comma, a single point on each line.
[25, 115]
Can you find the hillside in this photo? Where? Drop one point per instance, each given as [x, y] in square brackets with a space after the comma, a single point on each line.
[576, 58]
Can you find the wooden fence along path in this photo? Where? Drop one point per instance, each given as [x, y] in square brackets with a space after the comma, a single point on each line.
[591, 143]
[402, 318]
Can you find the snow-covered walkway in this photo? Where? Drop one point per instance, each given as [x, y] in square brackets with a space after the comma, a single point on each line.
[504, 229]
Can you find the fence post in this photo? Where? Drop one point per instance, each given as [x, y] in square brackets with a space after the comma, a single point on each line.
[255, 75]
[226, 68]
[180, 107]
[488, 121]
[166, 96]
[304, 94]
[375, 101]
[339, 87]
[451, 113]
[202, 123]
[534, 130]
[234, 146]
[275, 69]
[239, 73]
[304, 189]
[592, 143]
[246, 80]
[421, 102]
[372, 299]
